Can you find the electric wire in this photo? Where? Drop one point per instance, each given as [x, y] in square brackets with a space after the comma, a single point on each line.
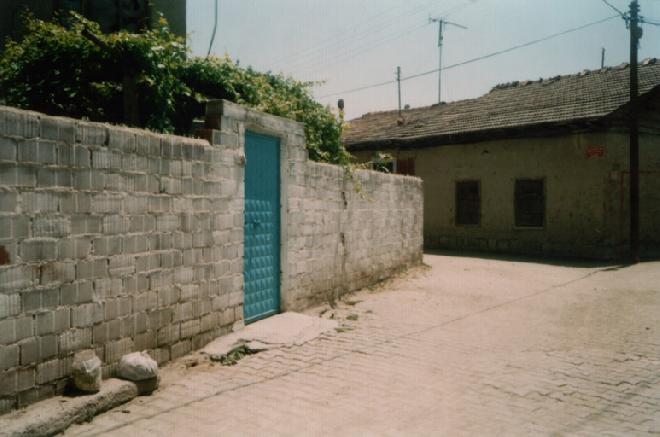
[472, 60]
[358, 51]
[647, 21]
[313, 67]
[318, 56]
[623, 15]
[215, 28]
[365, 36]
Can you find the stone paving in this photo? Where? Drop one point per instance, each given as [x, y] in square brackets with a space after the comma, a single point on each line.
[469, 346]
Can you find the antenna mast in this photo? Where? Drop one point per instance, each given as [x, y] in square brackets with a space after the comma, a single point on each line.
[441, 23]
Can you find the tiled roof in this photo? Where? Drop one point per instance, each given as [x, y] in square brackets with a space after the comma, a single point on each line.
[589, 95]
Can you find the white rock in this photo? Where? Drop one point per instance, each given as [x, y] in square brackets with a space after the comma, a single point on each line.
[86, 371]
[137, 366]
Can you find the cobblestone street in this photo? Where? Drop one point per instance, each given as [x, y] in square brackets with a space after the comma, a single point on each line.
[469, 346]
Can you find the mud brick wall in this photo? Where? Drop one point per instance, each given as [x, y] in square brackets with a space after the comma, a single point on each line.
[112, 239]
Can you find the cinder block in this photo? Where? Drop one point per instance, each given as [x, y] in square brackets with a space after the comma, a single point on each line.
[85, 315]
[47, 346]
[65, 156]
[146, 340]
[82, 157]
[86, 224]
[8, 201]
[39, 249]
[110, 309]
[107, 246]
[26, 378]
[57, 272]
[10, 305]
[20, 227]
[50, 177]
[51, 226]
[5, 227]
[122, 139]
[190, 328]
[75, 339]
[121, 265]
[15, 278]
[48, 371]
[8, 382]
[114, 350]
[58, 129]
[29, 351]
[91, 134]
[180, 349]
[19, 176]
[24, 327]
[40, 202]
[8, 148]
[74, 248]
[141, 322]
[106, 288]
[20, 123]
[37, 151]
[9, 357]
[54, 321]
[107, 203]
[115, 224]
[106, 159]
[92, 269]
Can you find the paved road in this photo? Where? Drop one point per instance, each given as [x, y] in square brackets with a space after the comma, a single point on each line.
[470, 346]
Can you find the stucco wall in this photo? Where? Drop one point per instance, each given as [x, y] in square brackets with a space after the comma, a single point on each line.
[118, 239]
[586, 197]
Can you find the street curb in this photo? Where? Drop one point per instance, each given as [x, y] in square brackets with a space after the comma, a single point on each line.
[55, 415]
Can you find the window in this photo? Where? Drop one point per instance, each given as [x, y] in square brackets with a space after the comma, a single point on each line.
[468, 203]
[405, 166]
[530, 203]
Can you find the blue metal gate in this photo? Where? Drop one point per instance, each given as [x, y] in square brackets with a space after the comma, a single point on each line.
[262, 226]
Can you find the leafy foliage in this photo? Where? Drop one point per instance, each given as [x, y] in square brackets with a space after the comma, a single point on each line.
[80, 72]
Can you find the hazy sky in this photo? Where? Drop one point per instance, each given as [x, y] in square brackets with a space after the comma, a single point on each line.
[353, 43]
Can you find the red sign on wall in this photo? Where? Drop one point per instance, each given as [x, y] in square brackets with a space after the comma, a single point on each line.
[598, 151]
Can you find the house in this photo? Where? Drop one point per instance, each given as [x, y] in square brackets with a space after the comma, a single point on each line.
[533, 167]
[112, 15]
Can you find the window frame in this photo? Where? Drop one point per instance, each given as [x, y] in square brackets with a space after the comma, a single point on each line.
[456, 202]
[544, 197]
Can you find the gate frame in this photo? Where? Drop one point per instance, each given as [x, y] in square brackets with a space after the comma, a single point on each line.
[225, 125]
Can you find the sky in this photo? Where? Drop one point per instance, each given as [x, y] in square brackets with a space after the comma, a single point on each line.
[348, 44]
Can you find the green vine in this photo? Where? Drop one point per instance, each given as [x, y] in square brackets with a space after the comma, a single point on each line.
[77, 71]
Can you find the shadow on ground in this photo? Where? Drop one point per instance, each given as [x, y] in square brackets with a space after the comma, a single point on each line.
[608, 265]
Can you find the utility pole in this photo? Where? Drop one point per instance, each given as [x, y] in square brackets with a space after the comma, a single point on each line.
[398, 86]
[602, 58]
[635, 35]
[441, 22]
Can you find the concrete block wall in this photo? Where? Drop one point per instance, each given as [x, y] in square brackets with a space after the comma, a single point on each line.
[119, 240]
[112, 239]
[350, 231]
[340, 232]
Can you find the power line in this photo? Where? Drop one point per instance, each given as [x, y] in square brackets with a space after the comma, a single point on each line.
[215, 28]
[516, 47]
[311, 62]
[479, 58]
[653, 23]
[313, 67]
[623, 15]
[314, 52]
